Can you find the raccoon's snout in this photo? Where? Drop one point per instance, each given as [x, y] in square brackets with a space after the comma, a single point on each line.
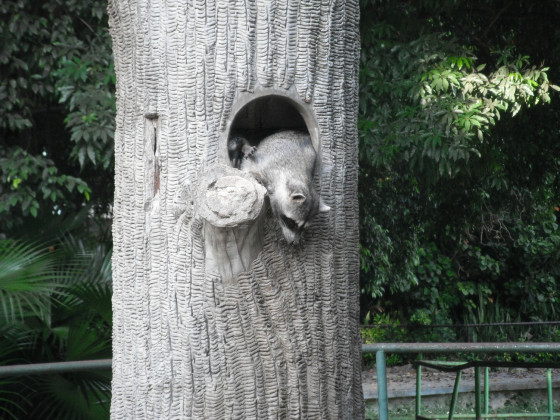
[292, 238]
[290, 229]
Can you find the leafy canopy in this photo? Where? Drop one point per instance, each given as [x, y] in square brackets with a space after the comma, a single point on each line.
[56, 109]
[460, 160]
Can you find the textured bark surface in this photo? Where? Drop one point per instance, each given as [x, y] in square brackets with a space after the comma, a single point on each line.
[281, 339]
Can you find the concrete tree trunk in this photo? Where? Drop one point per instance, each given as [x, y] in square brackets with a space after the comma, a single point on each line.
[215, 315]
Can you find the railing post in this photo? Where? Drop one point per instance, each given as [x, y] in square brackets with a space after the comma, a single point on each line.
[549, 389]
[381, 385]
[455, 394]
[486, 391]
[419, 388]
[477, 405]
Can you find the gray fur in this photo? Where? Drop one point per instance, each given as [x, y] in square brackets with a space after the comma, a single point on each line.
[285, 164]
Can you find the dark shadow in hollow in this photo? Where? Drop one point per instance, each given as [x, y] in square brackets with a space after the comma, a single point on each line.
[265, 116]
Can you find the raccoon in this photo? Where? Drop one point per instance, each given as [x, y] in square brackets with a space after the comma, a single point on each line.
[284, 163]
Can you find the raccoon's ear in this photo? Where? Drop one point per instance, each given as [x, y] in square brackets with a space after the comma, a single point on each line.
[322, 206]
[297, 197]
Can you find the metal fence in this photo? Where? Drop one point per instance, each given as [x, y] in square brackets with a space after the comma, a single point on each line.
[481, 410]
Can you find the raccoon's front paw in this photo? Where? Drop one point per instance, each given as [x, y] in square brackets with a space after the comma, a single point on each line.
[249, 151]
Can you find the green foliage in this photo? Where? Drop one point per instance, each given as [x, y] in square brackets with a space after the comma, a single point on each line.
[376, 330]
[30, 183]
[85, 85]
[56, 109]
[55, 306]
[459, 189]
[389, 232]
[426, 104]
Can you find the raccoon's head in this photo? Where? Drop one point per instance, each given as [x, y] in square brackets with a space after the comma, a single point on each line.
[295, 206]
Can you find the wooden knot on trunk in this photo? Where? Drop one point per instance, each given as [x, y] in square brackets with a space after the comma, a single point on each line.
[230, 202]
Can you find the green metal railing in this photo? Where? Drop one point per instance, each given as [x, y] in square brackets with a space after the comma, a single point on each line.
[381, 348]
[480, 410]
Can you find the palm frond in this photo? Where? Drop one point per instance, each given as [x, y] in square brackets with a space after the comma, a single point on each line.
[55, 304]
[14, 401]
[85, 343]
[10, 404]
[83, 264]
[97, 298]
[63, 398]
[28, 280]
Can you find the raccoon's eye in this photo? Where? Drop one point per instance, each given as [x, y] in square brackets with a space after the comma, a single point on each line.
[290, 224]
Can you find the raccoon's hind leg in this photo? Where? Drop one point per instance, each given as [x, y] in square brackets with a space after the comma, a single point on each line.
[239, 148]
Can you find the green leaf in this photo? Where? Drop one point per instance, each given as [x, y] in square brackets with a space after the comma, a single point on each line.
[16, 182]
[91, 153]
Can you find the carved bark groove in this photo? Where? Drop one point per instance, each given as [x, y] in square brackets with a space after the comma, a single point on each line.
[278, 337]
